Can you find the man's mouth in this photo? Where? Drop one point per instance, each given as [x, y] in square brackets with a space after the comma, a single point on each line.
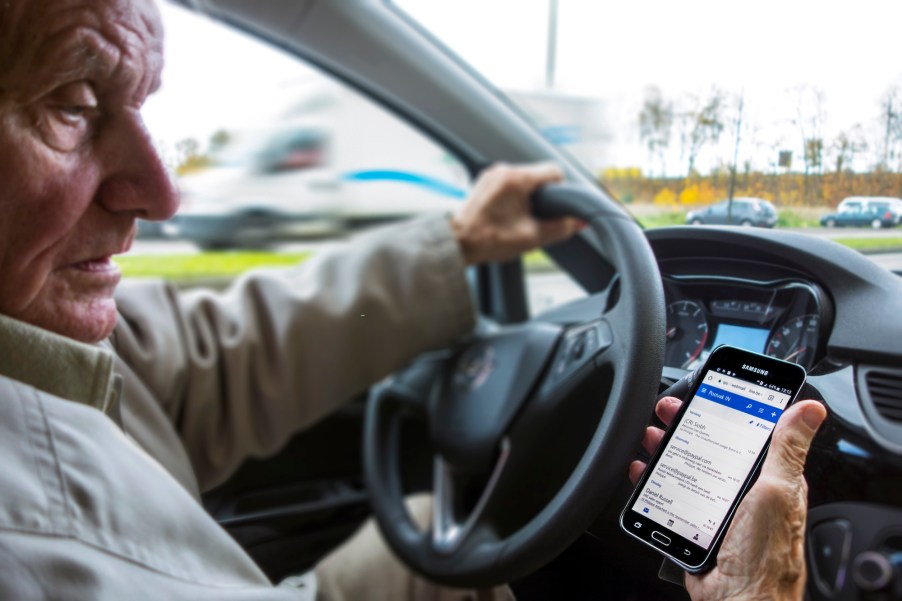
[102, 264]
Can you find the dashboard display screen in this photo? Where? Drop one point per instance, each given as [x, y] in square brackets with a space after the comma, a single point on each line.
[751, 339]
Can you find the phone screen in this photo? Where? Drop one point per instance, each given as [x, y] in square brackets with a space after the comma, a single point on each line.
[690, 490]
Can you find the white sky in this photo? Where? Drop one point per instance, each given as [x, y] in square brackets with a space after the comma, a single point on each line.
[611, 49]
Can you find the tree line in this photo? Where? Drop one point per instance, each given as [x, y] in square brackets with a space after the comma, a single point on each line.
[785, 189]
[683, 127]
[803, 164]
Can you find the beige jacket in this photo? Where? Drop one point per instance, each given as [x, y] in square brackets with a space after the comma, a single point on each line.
[106, 448]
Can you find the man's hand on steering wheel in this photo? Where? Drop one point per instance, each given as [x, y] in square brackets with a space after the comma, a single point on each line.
[763, 554]
[496, 223]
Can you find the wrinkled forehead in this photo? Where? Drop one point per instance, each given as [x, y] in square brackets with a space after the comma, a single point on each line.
[91, 38]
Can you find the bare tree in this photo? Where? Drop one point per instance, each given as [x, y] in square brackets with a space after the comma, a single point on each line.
[814, 154]
[655, 125]
[891, 127]
[737, 122]
[702, 124]
[811, 115]
[846, 146]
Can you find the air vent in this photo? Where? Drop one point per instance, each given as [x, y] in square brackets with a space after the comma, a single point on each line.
[885, 390]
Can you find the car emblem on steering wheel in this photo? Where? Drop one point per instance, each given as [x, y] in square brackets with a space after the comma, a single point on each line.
[474, 367]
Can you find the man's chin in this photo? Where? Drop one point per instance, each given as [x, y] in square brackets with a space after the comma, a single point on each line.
[87, 322]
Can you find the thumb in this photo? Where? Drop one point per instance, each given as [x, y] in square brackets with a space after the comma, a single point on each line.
[541, 173]
[792, 437]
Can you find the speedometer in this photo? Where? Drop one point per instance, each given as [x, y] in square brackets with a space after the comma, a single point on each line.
[687, 332]
[794, 340]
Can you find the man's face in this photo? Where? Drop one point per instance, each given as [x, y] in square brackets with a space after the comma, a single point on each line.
[77, 167]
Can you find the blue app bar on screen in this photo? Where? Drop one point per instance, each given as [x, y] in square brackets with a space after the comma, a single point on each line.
[739, 403]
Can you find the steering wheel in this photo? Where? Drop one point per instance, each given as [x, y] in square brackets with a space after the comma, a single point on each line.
[532, 425]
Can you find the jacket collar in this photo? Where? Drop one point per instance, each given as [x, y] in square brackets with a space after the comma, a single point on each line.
[58, 365]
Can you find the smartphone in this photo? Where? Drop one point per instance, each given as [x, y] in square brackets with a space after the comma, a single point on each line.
[709, 457]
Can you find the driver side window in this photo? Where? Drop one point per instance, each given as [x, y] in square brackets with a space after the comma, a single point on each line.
[273, 155]
[269, 152]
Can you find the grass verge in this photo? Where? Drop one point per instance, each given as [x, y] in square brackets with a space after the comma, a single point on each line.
[893, 244]
[208, 265]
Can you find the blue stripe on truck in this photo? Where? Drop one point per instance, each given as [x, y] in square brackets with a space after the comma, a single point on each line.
[405, 177]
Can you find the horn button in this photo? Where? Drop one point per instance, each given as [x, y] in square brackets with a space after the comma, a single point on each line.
[493, 375]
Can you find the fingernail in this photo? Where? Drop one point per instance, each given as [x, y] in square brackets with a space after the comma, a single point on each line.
[812, 416]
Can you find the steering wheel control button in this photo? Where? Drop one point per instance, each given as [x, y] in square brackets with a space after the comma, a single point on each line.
[658, 537]
[579, 345]
[872, 571]
[829, 544]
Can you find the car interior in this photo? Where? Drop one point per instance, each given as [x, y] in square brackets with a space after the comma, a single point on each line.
[529, 475]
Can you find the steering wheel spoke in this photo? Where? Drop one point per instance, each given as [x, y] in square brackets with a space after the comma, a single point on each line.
[452, 520]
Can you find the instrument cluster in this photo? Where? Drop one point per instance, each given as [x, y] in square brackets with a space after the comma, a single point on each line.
[783, 319]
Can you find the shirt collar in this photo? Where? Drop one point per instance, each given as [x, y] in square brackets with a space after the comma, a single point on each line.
[58, 365]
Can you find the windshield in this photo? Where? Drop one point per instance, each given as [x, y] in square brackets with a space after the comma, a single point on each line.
[675, 106]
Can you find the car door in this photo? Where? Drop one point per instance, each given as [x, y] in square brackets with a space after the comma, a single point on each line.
[853, 216]
[717, 214]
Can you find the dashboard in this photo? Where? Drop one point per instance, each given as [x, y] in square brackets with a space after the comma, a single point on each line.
[835, 313]
[807, 300]
[782, 318]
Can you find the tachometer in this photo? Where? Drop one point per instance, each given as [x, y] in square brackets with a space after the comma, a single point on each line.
[687, 332]
[794, 340]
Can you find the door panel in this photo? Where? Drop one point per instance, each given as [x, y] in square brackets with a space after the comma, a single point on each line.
[289, 510]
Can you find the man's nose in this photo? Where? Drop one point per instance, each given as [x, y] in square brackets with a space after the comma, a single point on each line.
[134, 177]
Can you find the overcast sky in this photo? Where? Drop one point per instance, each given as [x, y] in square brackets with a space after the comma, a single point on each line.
[766, 50]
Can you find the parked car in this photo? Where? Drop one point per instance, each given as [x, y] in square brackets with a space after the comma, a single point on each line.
[857, 216]
[867, 201]
[863, 211]
[744, 211]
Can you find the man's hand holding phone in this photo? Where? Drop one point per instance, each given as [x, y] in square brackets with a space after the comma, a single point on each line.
[763, 553]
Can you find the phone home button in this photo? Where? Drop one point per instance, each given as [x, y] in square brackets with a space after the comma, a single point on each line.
[664, 540]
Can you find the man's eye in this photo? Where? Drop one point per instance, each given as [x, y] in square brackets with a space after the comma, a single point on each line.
[73, 114]
[67, 127]
[74, 102]
[69, 116]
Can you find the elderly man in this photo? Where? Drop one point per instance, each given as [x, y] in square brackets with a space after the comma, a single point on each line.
[116, 412]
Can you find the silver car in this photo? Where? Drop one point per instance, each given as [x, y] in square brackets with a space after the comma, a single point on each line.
[745, 211]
